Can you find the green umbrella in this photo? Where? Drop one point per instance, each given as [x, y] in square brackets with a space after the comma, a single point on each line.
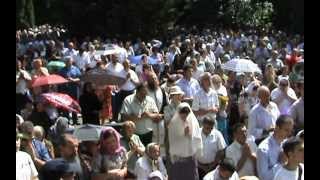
[55, 65]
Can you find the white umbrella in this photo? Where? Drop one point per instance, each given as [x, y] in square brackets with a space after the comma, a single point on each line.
[88, 132]
[241, 66]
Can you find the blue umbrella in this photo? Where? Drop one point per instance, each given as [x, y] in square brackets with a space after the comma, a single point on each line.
[137, 59]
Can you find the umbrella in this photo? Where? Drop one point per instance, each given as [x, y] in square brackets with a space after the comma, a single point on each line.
[60, 100]
[137, 59]
[47, 80]
[55, 65]
[101, 77]
[88, 132]
[241, 66]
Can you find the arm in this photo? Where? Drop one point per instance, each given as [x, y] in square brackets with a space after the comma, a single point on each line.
[264, 171]
[252, 125]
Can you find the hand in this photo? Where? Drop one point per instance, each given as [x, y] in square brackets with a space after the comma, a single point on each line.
[214, 110]
[247, 150]
[187, 131]
[128, 76]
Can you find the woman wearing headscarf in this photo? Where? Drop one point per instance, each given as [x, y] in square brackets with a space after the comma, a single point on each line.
[111, 162]
[185, 143]
[56, 131]
[90, 105]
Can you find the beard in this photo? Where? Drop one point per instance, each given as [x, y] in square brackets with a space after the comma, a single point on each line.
[152, 86]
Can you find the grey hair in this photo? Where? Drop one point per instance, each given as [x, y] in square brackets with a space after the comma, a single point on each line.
[151, 145]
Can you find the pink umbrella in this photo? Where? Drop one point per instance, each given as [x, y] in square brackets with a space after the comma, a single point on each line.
[63, 101]
[47, 80]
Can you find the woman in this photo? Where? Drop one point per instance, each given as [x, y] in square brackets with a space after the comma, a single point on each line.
[133, 145]
[185, 143]
[90, 105]
[222, 121]
[111, 162]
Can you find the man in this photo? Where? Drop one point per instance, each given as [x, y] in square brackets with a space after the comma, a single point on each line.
[283, 96]
[189, 85]
[35, 148]
[293, 169]
[206, 101]
[276, 63]
[70, 51]
[82, 60]
[225, 170]
[213, 142]
[263, 115]
[142, 110]
[150, 162]
[269, 154]
[57, 169]
[23, 78]
[69, 153]
[114, 67]
[242, 151]
[25, 169]
[71, 73]
[160, 98]
[296, 110]
[197, 72]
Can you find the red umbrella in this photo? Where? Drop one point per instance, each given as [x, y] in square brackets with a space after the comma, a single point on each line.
[63, 101]
[46, 80]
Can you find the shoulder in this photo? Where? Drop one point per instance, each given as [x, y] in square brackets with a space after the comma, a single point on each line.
[264, 145]
[273, 105]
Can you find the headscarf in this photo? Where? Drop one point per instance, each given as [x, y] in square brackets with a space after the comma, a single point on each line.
[117, 135]
[177, 138]
[61, 125]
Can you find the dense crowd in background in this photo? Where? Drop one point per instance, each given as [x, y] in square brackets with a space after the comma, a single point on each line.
[181, 117]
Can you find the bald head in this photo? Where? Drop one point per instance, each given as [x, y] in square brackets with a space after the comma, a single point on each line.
[264, 95]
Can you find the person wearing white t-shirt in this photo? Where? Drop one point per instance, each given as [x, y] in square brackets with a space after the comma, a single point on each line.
[225, 171]
[82, 60]
[114, 67]
[25, 168]
[213, 143]
[242, 151]
[293, 169]
[283, 96]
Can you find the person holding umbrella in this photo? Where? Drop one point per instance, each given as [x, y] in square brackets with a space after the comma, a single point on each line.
[90, 105]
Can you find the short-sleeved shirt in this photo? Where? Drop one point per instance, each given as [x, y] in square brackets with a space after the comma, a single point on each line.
[234, 152]
[41, 150]
[190, 88]
[132, 106]
[296, 111]
[212, 143]
[133, 158]
[205, 100]
[25, 168]
[103, 163]
[143, 168]
[277, 64]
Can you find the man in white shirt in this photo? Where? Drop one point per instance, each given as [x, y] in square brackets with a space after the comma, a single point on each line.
[213, 142]
[270, 155]
[25, 168]
[276, 63]
[284, 96]
[263, 115]
[293, 169]
[70, 51]
[142, 110]
[242, 151]
[114, 67]
[197, 72]
[225, 171]
[188, 85]
[150, 162]
[206, 101]
[22, 80]
[82, 60]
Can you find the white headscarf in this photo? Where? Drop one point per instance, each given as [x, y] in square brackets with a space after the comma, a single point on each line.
[181, 145]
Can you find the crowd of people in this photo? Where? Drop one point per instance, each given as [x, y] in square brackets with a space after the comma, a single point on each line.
[182, 117]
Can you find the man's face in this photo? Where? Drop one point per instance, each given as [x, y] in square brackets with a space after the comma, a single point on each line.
[142, 94]
[189, 73]
[206, 82]
[224, 174]
[70, 46]
[70, 150]
[285, 130]
[207, 128]
[154, 152]
[241, 135]
[284, 85]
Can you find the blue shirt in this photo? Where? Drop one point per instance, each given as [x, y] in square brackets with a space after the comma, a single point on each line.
[268, 158]
[190, 88]
[41, 150]
[70, 88]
